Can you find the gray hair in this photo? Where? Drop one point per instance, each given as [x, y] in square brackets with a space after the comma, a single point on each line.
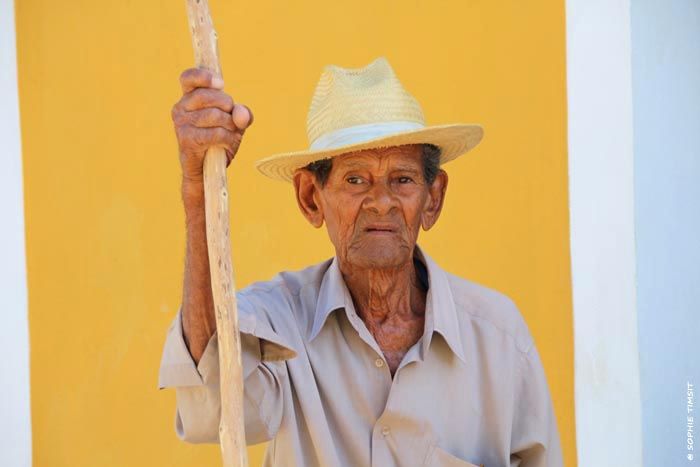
[431, 165]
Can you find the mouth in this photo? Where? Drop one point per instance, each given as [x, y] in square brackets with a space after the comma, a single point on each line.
[381, 229]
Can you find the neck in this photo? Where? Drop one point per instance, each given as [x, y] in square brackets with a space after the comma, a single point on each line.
[385, 295]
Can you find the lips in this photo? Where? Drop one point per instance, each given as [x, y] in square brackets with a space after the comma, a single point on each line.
[378, 228]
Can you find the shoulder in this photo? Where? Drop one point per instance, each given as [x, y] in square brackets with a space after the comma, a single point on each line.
[285, 286]
[487, 309]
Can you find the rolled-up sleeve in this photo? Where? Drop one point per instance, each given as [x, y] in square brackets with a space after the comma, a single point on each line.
[535, 437]
[198, 408]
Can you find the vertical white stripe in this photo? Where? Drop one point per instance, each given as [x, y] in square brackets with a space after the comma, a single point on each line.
[666, 83]
[15, 429]
[601, 168]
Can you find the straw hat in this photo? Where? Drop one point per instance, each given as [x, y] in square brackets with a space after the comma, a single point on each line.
[362, 108]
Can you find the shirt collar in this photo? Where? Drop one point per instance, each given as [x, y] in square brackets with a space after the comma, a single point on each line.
[440, 309]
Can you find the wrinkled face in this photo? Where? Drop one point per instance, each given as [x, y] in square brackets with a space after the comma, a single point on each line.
[374, 204]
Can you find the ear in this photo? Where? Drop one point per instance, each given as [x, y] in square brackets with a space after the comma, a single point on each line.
[436, 198]
[307, 193]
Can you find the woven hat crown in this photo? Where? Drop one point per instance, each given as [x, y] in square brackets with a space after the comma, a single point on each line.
[355, 109]
[346, 97]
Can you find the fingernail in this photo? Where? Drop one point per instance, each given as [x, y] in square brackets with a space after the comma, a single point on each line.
[217, 82]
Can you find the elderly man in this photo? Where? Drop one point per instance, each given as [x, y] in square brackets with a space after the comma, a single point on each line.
[376, 356]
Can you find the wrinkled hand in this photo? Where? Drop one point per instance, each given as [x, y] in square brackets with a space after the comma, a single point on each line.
[206, 117]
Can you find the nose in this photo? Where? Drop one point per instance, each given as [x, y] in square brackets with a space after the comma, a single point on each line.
[379, 198]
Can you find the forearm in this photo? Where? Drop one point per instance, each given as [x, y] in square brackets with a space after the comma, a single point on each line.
[198, 320]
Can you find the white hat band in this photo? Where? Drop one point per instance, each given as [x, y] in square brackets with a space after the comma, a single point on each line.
[361, 133]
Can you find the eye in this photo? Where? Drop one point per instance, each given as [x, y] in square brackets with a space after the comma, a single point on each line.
[405, 179]
[354, 180]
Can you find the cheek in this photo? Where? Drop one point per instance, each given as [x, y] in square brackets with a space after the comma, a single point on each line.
[340, 213]
[413, 210]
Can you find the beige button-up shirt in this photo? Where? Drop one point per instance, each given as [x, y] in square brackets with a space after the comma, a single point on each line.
[471, 391]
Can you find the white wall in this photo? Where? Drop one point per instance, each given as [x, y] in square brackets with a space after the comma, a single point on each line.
[600, 130]
[666, 96]
[15, 429]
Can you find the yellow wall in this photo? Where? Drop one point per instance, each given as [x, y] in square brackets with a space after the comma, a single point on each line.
[104, 223]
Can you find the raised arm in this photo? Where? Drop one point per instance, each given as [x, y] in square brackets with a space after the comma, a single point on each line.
[204, 117]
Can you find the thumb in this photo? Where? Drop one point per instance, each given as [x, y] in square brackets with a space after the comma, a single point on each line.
[242, 116]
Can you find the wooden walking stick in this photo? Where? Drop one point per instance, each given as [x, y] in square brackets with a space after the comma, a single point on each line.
[231, 428]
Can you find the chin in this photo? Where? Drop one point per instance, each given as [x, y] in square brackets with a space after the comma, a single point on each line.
[380, 254]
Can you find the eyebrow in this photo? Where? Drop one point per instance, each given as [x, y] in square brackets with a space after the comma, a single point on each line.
[361, 165]
[407, 168]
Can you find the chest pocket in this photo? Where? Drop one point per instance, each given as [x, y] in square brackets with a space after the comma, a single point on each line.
[438, 457]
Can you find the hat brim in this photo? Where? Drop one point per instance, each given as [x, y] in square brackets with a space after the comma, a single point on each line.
[454, 140]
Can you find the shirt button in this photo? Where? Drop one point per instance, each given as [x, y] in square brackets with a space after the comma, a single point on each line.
[379, 363]
[386, 430]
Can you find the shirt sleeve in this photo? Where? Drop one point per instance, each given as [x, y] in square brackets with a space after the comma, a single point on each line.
[198, 408]
[535, 438]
